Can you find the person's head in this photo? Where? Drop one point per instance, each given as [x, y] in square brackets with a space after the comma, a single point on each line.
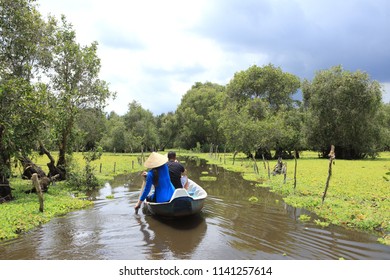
[171, 155]
[155, 160]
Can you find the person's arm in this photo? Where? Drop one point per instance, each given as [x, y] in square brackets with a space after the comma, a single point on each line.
[146, 187]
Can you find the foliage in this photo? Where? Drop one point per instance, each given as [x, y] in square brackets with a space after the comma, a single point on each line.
[168, 130]
[385, 125]
[22, 214]
[141, 127]
[259, 114]
[23, 55]
[75, 85]
[208, 178]
[321, 223]
[25, 40]
[343, 111]
[304, 218]
[269, 83]
[197, 116]
[116, 137]
[91, 126]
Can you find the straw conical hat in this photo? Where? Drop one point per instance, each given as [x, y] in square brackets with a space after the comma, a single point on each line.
[155, 160]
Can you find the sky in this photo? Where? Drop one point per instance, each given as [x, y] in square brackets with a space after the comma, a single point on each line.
[153, 51]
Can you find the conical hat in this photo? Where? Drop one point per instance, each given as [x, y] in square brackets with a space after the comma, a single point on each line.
[155, 160]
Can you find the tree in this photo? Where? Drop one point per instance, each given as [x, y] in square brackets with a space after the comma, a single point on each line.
[168, 129]
[75, 85]
[114, 138]
[385, 124]
[241, 130]
[24, 54]
[268, 83]
[91, 124]
[262, 94]
[141, 126]
[197, 115]
[343, 109]
[285, 132]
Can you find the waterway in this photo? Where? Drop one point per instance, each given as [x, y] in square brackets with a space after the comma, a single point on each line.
[229, 227]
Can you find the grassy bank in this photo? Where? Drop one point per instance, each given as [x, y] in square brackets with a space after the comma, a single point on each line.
[358, 196]
[22, 214]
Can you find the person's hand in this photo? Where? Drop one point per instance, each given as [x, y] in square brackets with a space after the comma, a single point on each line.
[137, 206]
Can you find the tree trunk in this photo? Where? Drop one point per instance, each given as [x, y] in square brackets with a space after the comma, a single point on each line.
[5, 168]
[29, 168]
[53, 169]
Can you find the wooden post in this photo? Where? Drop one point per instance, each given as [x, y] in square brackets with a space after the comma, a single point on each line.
[269, 170]
[114, 166]
[256, 168]
[332, 156]
[37, 186]
[132, 164]
[101, 164]
[295, 169]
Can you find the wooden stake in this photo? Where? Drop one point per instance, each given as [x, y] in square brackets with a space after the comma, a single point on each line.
[37, 186]
[332, 156]
[295, 169]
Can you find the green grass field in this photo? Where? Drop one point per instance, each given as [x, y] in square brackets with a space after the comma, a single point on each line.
[357, 197]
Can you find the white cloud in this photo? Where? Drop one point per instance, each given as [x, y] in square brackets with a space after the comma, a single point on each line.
[153, 51]
[386, 94]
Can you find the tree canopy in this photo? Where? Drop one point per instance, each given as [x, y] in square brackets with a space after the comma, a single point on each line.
[343, 109]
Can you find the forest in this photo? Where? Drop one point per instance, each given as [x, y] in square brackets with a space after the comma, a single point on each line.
[52, 99]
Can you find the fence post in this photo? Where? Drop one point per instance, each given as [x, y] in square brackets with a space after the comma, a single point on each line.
[37, 185]
[332, 156]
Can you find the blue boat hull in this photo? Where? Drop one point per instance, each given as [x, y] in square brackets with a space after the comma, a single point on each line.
[184, 202]
[179, 207]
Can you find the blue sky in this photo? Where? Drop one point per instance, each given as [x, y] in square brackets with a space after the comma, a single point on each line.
[153, 51]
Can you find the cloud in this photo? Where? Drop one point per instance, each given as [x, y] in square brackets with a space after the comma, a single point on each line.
[305, 36]
[154, 51]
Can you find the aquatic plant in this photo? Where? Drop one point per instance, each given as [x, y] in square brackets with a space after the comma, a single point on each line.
[304, 218]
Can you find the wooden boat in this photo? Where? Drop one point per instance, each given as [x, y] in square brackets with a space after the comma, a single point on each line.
[183, 202]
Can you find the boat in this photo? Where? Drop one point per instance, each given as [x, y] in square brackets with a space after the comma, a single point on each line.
[183, 202]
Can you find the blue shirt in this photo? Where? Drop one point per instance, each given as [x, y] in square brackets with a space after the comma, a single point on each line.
[164, 188]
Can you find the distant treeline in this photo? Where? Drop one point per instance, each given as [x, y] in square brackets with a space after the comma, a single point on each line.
[255, 114]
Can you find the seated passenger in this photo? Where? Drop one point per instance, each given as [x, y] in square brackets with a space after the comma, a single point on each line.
[177, 172]
[158, 175]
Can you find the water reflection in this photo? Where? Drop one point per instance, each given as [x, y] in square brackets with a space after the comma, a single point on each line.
[172, 239]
